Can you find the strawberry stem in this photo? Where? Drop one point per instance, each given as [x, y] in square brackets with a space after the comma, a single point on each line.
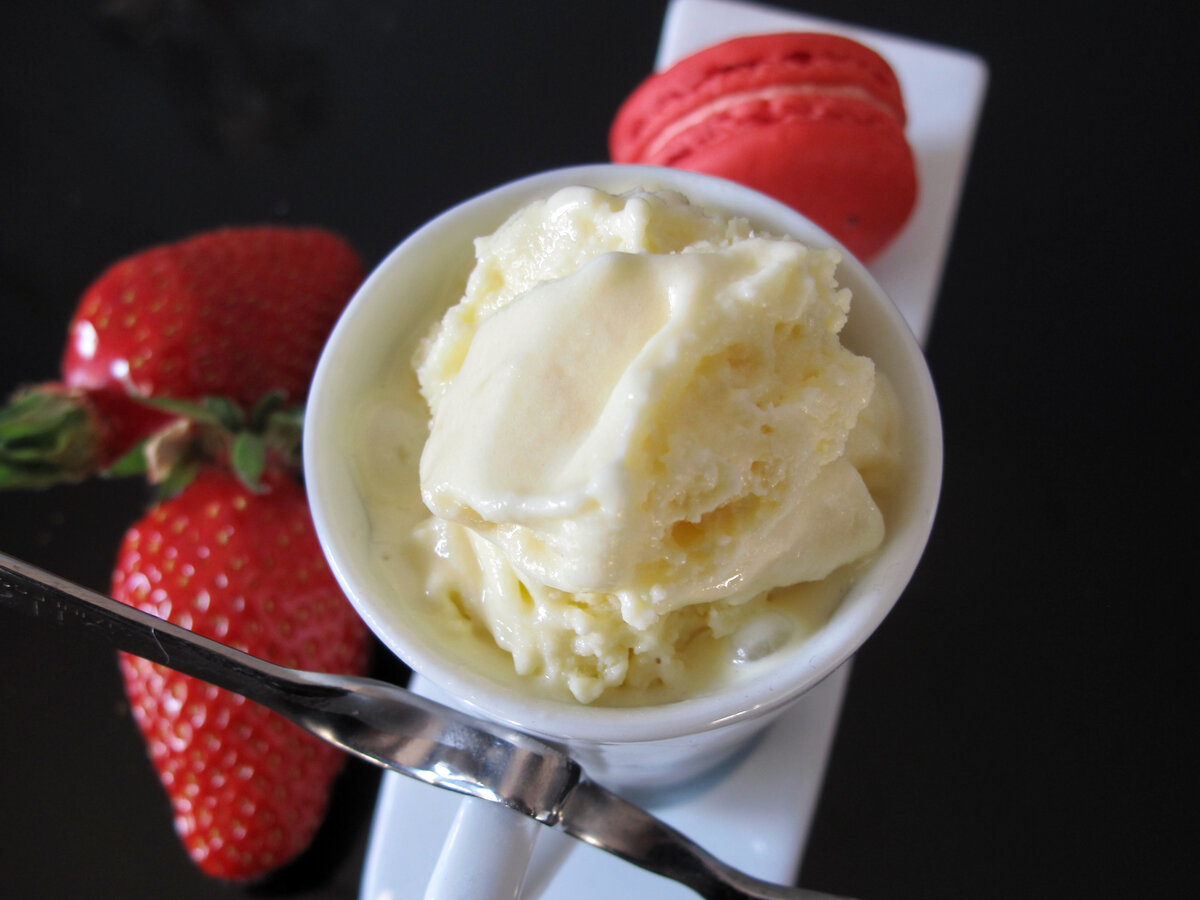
[46, 437]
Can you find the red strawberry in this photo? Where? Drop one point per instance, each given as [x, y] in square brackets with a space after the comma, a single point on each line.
[247, 787]
[234, 313]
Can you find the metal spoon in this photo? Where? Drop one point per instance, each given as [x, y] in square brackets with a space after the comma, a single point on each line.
[396, 729]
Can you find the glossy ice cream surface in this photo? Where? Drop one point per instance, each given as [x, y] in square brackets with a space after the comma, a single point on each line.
[649, 463]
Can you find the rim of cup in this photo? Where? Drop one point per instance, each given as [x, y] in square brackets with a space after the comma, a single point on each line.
[361, 343]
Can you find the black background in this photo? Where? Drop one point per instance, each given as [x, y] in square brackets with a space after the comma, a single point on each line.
[1013, 728]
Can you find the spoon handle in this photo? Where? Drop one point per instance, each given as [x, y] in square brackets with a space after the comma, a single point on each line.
[381, 723]
[31, 590]
[399, 730]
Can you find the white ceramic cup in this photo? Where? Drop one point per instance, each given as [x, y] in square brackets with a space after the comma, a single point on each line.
[622, 747]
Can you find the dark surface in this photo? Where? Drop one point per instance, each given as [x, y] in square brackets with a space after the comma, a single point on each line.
[1011, 731]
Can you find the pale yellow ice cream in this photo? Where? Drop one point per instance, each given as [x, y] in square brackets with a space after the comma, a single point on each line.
[643, 424]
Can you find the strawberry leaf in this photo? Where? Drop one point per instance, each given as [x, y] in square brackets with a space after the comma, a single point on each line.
[186, 409]
[131, 464]
[249, 458]
[177, 478]
[283, 434]
[228, 414]
[264, 409]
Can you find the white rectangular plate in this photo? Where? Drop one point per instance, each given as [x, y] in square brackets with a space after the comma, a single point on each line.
[755, 814]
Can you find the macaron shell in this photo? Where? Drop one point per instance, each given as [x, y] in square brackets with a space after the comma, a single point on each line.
[748, 64]
[839, 160]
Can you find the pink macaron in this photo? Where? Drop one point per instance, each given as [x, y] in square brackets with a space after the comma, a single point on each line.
[815, 120]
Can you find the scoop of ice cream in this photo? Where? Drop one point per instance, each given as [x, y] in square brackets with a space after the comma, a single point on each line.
[641, 416]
